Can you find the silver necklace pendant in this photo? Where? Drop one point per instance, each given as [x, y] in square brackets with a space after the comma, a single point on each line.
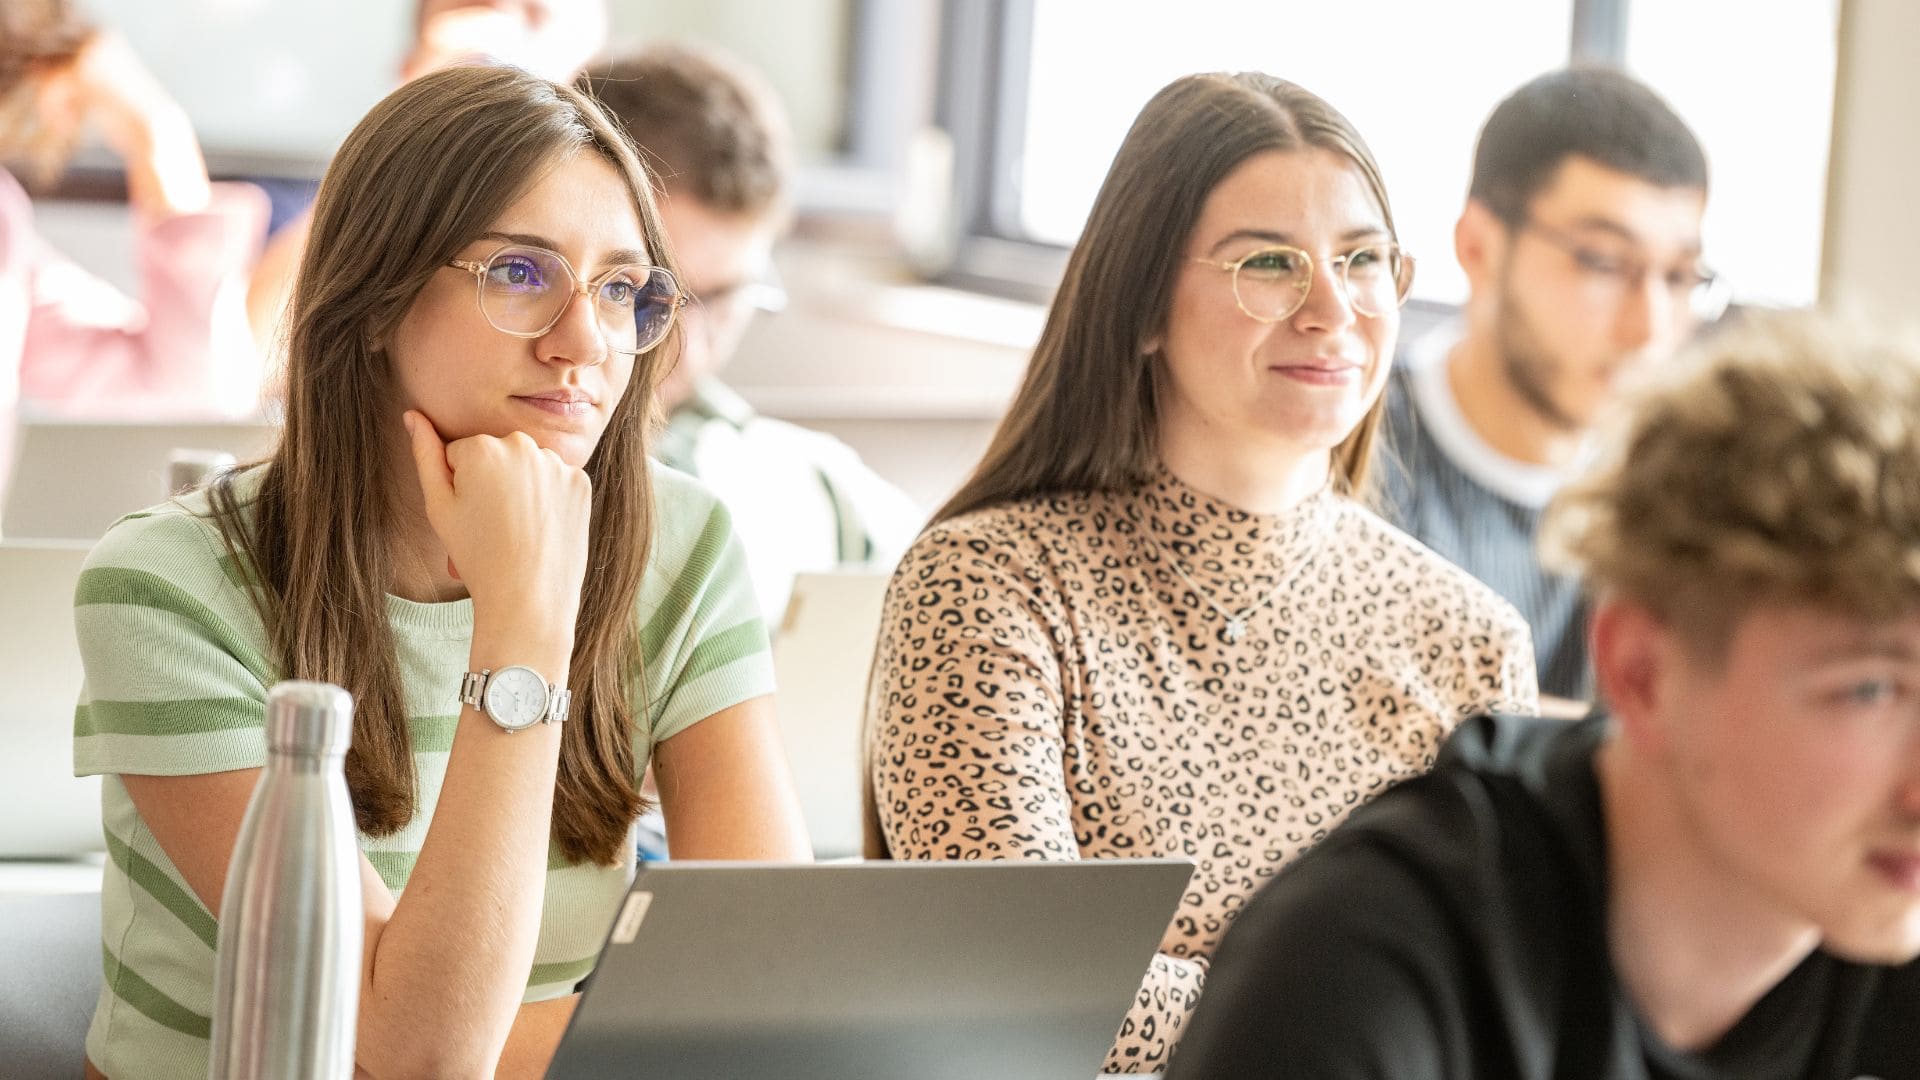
[1234, 630]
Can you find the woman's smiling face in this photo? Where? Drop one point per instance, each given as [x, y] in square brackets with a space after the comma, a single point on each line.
[1304, 381]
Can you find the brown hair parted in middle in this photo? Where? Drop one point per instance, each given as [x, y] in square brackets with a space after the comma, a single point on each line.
[1084, 418]
[426, 172]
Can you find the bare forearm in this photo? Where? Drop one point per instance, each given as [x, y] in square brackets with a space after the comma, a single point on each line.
[535, 1037]
[726, 791]
[537, 1030]
[445, 977]
[166, 173]
[452, 963]
[272, 280]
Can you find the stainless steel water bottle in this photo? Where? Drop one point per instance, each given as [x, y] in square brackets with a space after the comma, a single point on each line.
[287, 981]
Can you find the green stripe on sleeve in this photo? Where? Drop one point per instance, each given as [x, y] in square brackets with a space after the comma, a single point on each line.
[688, 584]
[747, 639]
[396, 867]
[191, 716]
[433, 734]
[151, 1002]
[164, 890]
[568, 972]
[138, 588]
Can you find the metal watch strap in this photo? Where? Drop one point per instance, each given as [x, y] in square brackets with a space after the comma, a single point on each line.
[473, 689]
[472, 685]
[559, 700]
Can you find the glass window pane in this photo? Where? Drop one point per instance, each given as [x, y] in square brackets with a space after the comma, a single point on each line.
[1764, 111]
[1418, 93]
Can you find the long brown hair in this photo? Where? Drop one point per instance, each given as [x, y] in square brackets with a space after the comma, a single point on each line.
[428, 170]
[1085, 417]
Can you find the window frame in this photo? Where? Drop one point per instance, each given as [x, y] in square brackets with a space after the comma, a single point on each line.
[980, 103]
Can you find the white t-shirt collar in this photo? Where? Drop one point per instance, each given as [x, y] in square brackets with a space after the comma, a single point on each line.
[1520, 482]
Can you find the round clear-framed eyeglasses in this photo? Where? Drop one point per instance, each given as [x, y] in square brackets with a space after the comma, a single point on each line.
[1272, 283]
[523, 291]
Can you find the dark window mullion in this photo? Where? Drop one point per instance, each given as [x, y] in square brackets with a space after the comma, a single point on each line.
[1012, 78]
[1600, 32]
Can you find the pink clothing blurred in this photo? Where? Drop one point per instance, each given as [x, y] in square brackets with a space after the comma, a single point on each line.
[73, 345]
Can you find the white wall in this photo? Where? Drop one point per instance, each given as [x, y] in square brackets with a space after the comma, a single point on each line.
[913, 376]
[1873, 213]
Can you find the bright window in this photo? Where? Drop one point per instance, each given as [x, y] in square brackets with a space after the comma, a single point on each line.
[1418, 93]
[1418, 79]
[1764, 111]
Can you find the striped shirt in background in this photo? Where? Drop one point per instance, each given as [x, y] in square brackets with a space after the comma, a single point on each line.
[1480, 510]
[177, 671]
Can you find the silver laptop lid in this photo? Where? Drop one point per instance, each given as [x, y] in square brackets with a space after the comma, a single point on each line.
[73, 479]
[903, 971]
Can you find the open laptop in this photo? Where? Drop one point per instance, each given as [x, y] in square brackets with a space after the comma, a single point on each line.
[820, 661]
[45, 811]
[896, 971]
[74, 478]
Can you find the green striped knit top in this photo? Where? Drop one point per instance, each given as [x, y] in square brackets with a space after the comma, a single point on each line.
[177, 671]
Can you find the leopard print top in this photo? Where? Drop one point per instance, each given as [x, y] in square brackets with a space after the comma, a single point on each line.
[1048, 686]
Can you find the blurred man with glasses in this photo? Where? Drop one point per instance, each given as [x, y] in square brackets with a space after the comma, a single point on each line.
[1581, 246]
[716, 138]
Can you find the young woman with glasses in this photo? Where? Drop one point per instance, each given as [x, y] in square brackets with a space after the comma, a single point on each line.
[462, 498]
[1158, 620]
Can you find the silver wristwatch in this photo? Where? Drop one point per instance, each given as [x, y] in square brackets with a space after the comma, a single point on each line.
[515, 697]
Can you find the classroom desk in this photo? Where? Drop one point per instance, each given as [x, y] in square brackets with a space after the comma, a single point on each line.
[50, 936]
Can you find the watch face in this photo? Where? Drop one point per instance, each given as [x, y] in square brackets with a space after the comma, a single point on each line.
[516, 697]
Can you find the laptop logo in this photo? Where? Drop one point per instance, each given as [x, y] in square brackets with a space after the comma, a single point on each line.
[627, 926]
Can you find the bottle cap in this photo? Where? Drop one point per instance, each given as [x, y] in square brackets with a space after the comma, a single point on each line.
[309, 718]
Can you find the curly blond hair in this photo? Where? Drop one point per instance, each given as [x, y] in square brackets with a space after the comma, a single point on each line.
[1778, 463]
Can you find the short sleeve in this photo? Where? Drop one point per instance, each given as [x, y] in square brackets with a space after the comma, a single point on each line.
[175, 662]
[1488, 651]
[703, 642]
[1506, 680]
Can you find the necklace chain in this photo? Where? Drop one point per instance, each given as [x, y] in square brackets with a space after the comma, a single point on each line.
[1236, 627]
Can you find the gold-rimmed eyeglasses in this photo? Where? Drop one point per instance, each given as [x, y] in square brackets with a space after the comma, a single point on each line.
[523, 291]
[1272, 283]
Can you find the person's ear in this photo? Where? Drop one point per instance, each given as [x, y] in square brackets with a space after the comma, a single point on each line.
[1480, 243]
[1635, 661]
